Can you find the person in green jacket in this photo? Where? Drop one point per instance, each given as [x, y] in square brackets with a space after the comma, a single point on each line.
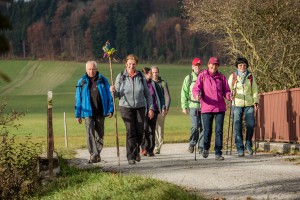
[245, 100]
[191, 106]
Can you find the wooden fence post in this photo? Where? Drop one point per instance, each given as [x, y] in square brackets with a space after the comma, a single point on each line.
[66, 130]
[50, 138]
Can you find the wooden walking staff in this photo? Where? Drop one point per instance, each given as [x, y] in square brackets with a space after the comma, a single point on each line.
[108, 52]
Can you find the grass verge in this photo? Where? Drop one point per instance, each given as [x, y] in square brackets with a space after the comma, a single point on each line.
[93, 183]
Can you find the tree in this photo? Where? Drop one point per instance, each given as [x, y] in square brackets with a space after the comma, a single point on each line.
[4, 44]
[268, 35]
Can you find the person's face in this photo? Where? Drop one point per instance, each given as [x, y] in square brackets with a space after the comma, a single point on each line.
[130, 66]
[149, 75]
[91, 70]
[213, 68]
[242, 67]
[196, 68]
[155, 73]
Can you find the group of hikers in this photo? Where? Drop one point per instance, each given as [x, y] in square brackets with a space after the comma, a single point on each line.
[144, 102]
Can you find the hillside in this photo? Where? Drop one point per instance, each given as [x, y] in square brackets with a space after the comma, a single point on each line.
[76, 30]
[33, 79]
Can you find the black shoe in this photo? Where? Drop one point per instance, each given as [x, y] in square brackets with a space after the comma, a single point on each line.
[191, 149]
[138, 158]
[219, 157]
[150, 154]
[205, 153]
[131, 162]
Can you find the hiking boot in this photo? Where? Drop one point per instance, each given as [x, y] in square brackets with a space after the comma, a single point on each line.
[138, 158]
[219, 157]
[144, 152]
[98, 158]
[131, 162]
[150, 154]
[241, 154]
[93, 159]
[200, 151]
[191, 149]
[205, 153]
[250, 152]
[157, 151]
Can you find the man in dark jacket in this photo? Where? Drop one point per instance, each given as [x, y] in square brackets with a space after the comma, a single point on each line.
[93, 103]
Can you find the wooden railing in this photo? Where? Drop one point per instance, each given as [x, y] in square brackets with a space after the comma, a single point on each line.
[278, 117]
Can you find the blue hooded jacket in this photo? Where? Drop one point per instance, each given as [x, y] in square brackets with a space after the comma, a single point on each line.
[83, 106]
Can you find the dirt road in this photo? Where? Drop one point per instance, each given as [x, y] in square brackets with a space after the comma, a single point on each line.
[262, 176]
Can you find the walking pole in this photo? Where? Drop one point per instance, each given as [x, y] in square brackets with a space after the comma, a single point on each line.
[228, 128]
[256, 111]
[108, 52]
[115, 114]
[195, 152]
[231, 131]
[197, 113]
[232, 117]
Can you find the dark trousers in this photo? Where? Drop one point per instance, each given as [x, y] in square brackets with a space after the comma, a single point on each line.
[207, 128]
[134, 122]
[94, 134]
[148, 142]
[196, 129]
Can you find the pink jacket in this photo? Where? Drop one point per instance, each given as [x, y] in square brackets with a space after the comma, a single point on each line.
[212, 88]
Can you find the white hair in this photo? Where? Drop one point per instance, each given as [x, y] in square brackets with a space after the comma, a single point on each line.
[91, 62]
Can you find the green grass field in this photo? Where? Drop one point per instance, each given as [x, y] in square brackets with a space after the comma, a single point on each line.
[27, 92]
[31, 80]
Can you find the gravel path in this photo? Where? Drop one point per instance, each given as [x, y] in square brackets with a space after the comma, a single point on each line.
[262, 176]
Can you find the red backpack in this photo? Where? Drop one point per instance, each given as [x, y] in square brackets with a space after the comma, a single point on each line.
[234, 77]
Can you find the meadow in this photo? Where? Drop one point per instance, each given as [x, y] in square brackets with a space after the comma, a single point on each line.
[31, 81]
[27, 92]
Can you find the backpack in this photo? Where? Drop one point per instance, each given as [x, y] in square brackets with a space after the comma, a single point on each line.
[190, 80]
[163, 84]
[234, 77]
[189, 85]
[123, 77]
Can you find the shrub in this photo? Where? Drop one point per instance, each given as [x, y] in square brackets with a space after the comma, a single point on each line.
[19, 175]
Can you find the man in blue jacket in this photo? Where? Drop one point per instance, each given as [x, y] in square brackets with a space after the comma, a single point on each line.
[93, 103]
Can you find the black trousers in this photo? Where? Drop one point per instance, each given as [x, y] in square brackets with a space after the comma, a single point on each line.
[148, 142]
[134, 122]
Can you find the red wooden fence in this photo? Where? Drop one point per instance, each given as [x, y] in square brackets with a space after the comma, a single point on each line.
[278, 117]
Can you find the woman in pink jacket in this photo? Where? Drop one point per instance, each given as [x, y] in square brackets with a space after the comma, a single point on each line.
[211, 88]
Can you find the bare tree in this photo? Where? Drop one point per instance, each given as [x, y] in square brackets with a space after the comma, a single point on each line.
[267, 33]
[178, 40]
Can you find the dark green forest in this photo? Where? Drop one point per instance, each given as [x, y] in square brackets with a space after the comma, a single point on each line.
[154, 30]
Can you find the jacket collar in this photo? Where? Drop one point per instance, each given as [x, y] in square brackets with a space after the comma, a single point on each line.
[215, 75]
[97, 77]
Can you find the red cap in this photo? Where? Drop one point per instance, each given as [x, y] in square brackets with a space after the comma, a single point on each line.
[196, 61]
[214, 60]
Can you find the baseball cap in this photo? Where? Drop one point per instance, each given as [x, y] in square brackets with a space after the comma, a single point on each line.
[214, 60]
[196, 61]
